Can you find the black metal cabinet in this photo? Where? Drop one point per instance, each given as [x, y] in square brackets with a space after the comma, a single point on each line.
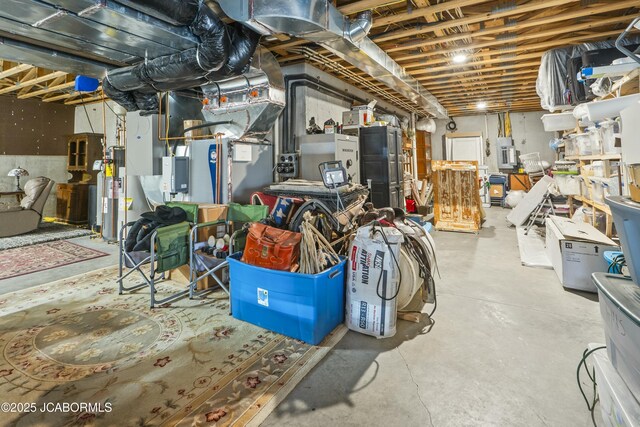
[381, 162]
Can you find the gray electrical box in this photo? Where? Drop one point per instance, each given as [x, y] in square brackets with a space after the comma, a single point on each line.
[175, 175]
[507, 158]
[316, 149]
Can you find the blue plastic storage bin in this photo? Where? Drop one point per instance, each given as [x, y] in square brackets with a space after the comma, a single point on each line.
[302, 306]
[626, 216]
[609, 256]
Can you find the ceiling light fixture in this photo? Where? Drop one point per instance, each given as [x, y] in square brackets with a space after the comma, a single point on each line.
[481, 105]
[460, 58]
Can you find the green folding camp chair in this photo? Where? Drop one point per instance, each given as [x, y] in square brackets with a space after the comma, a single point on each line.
[203, 265]
[169, 250]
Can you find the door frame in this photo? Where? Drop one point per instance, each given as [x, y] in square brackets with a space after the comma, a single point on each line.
[447, 144]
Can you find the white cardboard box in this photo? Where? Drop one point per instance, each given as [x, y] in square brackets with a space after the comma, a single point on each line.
[576, 251]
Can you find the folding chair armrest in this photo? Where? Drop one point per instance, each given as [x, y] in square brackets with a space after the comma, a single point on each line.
[234, 236]
[121, 233]
[152, 252]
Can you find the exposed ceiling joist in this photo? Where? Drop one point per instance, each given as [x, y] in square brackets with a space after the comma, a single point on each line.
[32, 81]
[48, 90]
[87, 100]
[519, 9]
[536, 23]
[15, 70]
[423, 12]
[517, 39]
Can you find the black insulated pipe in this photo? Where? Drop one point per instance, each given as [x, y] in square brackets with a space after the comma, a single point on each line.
[244, 43]
[174, 12]
[224, 51]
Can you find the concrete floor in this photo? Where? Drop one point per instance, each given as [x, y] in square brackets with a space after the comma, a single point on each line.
[503, 350]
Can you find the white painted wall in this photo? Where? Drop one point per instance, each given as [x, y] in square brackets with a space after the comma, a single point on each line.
[89, 118]
[52, 167]
[141, 141]
[527, 130]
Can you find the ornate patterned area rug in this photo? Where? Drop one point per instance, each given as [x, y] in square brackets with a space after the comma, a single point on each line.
[47, 232]
[20, 261]
[74, 352]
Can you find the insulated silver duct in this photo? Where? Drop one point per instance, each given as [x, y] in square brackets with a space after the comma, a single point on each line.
[321, 22]
[223, 51]
[244, 108]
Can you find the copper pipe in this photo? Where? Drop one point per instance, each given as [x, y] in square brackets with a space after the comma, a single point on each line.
[104, 162]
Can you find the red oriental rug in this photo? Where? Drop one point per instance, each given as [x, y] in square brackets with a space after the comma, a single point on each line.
[44, 256]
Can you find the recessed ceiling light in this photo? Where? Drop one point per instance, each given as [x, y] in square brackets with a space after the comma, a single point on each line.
[481, 105]
[460, 58]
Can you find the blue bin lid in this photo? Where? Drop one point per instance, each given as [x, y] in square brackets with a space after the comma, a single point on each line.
[623, 293]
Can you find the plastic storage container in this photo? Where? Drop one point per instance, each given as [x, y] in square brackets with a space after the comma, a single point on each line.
[626, 216]
[566, 166]
[570, 147]
[584, 188]
[618, 406]
[607, 130]
[558, 122]
[602, 188]
[583, 144]
[597, 189]
[599, 168]
[595, 134]
[302, 306]
[620, 310]
[598, 220]
[609, 257]
[568, 184]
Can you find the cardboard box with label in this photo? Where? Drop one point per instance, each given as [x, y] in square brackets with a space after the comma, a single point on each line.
[208, 213]
[181, 276]
[576, 251]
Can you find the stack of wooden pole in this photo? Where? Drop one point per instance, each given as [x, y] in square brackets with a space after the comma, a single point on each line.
[423, 196]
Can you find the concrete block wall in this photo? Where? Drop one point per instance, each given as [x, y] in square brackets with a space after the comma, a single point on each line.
[312, 103]
[528, 135]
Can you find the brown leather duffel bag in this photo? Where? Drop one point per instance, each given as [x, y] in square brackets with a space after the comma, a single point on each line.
[272, 248]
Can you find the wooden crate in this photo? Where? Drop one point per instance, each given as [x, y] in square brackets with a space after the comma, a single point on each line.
[457, 196]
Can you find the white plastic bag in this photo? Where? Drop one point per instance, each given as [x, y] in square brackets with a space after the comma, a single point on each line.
[373, 281]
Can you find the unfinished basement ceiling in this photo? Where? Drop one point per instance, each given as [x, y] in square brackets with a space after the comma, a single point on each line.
[24, 81]
[503, 42]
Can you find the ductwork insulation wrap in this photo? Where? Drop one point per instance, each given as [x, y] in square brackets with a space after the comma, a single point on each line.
[171, 11]
[224, 51]
[244, 42]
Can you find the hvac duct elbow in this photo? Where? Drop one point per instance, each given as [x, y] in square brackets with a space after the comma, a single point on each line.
[124, 99]
[223, 52]
[360, 26]
[244, 42]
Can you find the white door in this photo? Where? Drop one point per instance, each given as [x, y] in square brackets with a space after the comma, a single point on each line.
[464, 148]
